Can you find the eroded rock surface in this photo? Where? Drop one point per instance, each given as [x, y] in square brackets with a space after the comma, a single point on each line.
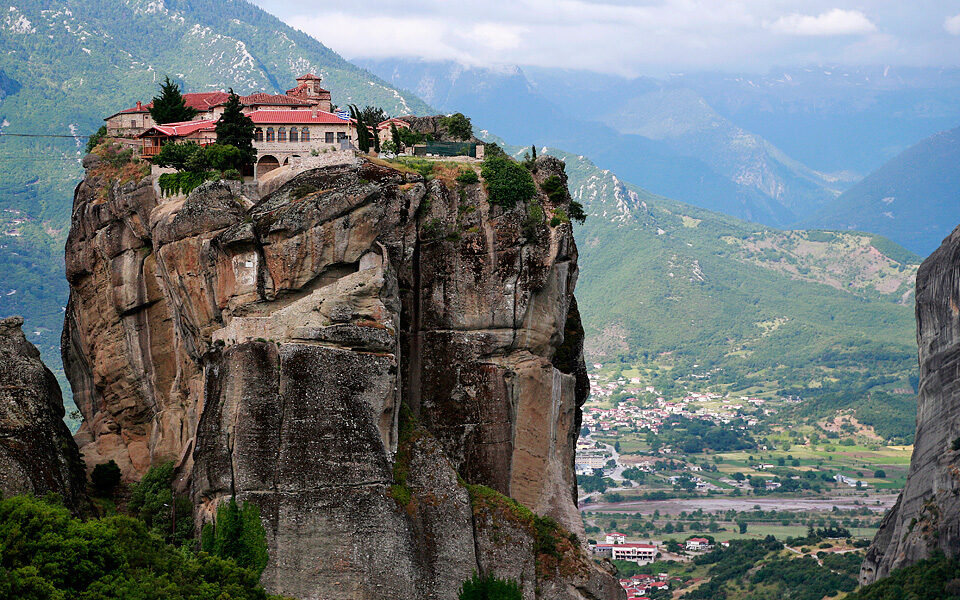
[270, 350]
[37, 452]
[926, 516]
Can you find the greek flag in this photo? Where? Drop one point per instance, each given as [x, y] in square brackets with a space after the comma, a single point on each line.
[344, 114]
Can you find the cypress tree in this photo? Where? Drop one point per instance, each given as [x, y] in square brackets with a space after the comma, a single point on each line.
[394, 135]
[169, 106]
[533, 149]
[236, 129]
[363, 135]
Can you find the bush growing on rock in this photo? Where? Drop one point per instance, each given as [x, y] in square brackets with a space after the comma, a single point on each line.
[238, 535]
[489, 588]
[507, 182]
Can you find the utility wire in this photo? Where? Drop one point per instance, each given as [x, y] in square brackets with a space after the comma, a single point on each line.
[43, 135]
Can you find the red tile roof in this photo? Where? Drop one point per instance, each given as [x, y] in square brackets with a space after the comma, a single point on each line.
[182, 129]
[275, 99]
[281, 117]
[309, 76]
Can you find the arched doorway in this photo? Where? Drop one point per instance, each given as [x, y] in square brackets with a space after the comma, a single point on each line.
[266, 164]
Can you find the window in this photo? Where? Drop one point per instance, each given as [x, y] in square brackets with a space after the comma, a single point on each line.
[271, 136]
[341, 135]
[258, 134]
[305, 135]
[328, 137]
[281, 134]
[293, 134]
[133, 123]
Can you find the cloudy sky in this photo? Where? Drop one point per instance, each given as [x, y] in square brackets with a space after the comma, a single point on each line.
[633, 37]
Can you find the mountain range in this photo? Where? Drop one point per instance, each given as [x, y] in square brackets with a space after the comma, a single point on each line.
[777, 149]
[658, 275]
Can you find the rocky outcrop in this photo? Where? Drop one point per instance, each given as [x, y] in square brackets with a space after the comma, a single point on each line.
[271, 349]
[926, 516]
[37, 452]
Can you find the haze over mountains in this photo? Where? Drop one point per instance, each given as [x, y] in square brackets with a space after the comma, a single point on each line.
[775, 149]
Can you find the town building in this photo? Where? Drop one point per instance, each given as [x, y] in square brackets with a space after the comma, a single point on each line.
[639, 553]
[697, 543]
[616, 538]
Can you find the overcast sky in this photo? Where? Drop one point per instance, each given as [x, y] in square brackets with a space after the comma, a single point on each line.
[634, 37]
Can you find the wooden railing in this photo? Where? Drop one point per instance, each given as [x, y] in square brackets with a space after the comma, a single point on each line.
[150, 150]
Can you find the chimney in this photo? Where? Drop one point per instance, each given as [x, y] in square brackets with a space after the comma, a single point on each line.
[139, 105]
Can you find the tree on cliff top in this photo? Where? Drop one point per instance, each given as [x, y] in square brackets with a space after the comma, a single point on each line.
[169, 106]
[236, 129]
[458, 126]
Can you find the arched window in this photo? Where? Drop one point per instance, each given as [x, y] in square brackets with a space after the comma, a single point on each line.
[271, 137]
[305, 134]
[293, 134]
[281, 134]
[258, 134]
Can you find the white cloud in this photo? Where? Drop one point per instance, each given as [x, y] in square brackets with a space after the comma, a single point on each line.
[631, 37]
[952, 25]
[832, 22]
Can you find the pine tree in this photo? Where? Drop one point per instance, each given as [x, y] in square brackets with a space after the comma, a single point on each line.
[236, 129]
[169, 106]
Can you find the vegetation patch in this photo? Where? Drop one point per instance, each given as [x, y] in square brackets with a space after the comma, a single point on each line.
[47, 554]
[507, 182]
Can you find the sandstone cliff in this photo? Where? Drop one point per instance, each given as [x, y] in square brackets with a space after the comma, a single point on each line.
[37, 453]
[926, 516]
[384, 364]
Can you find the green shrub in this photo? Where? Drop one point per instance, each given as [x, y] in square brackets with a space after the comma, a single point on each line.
[105, 478]
[559, 216]
[467, 177]
[183, 182]
[96, 138]
[554, 189]
[47, 554]
[489, 588]
[533, 221]
[153, 502]
[956, 444]
[237, 535]
[507, 182]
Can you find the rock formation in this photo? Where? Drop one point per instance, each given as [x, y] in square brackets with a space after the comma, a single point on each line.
[389, 367]
[37, 452]
[926, 516]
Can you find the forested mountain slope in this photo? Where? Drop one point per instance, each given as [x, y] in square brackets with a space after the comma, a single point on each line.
[912, 199]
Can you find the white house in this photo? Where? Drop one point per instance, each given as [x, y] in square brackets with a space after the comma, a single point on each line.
[697, 544]
[616, 538]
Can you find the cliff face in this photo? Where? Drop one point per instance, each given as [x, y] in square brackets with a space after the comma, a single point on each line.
[352, 353]
[926, 516]
[37, 453]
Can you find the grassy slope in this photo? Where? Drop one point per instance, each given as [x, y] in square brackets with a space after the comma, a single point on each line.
[661, 276]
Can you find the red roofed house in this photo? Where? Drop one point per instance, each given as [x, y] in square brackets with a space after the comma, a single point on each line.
[279, 135]
[308, 95]
[697, 543]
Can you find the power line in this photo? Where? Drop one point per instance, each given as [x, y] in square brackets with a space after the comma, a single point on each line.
[43, 135]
